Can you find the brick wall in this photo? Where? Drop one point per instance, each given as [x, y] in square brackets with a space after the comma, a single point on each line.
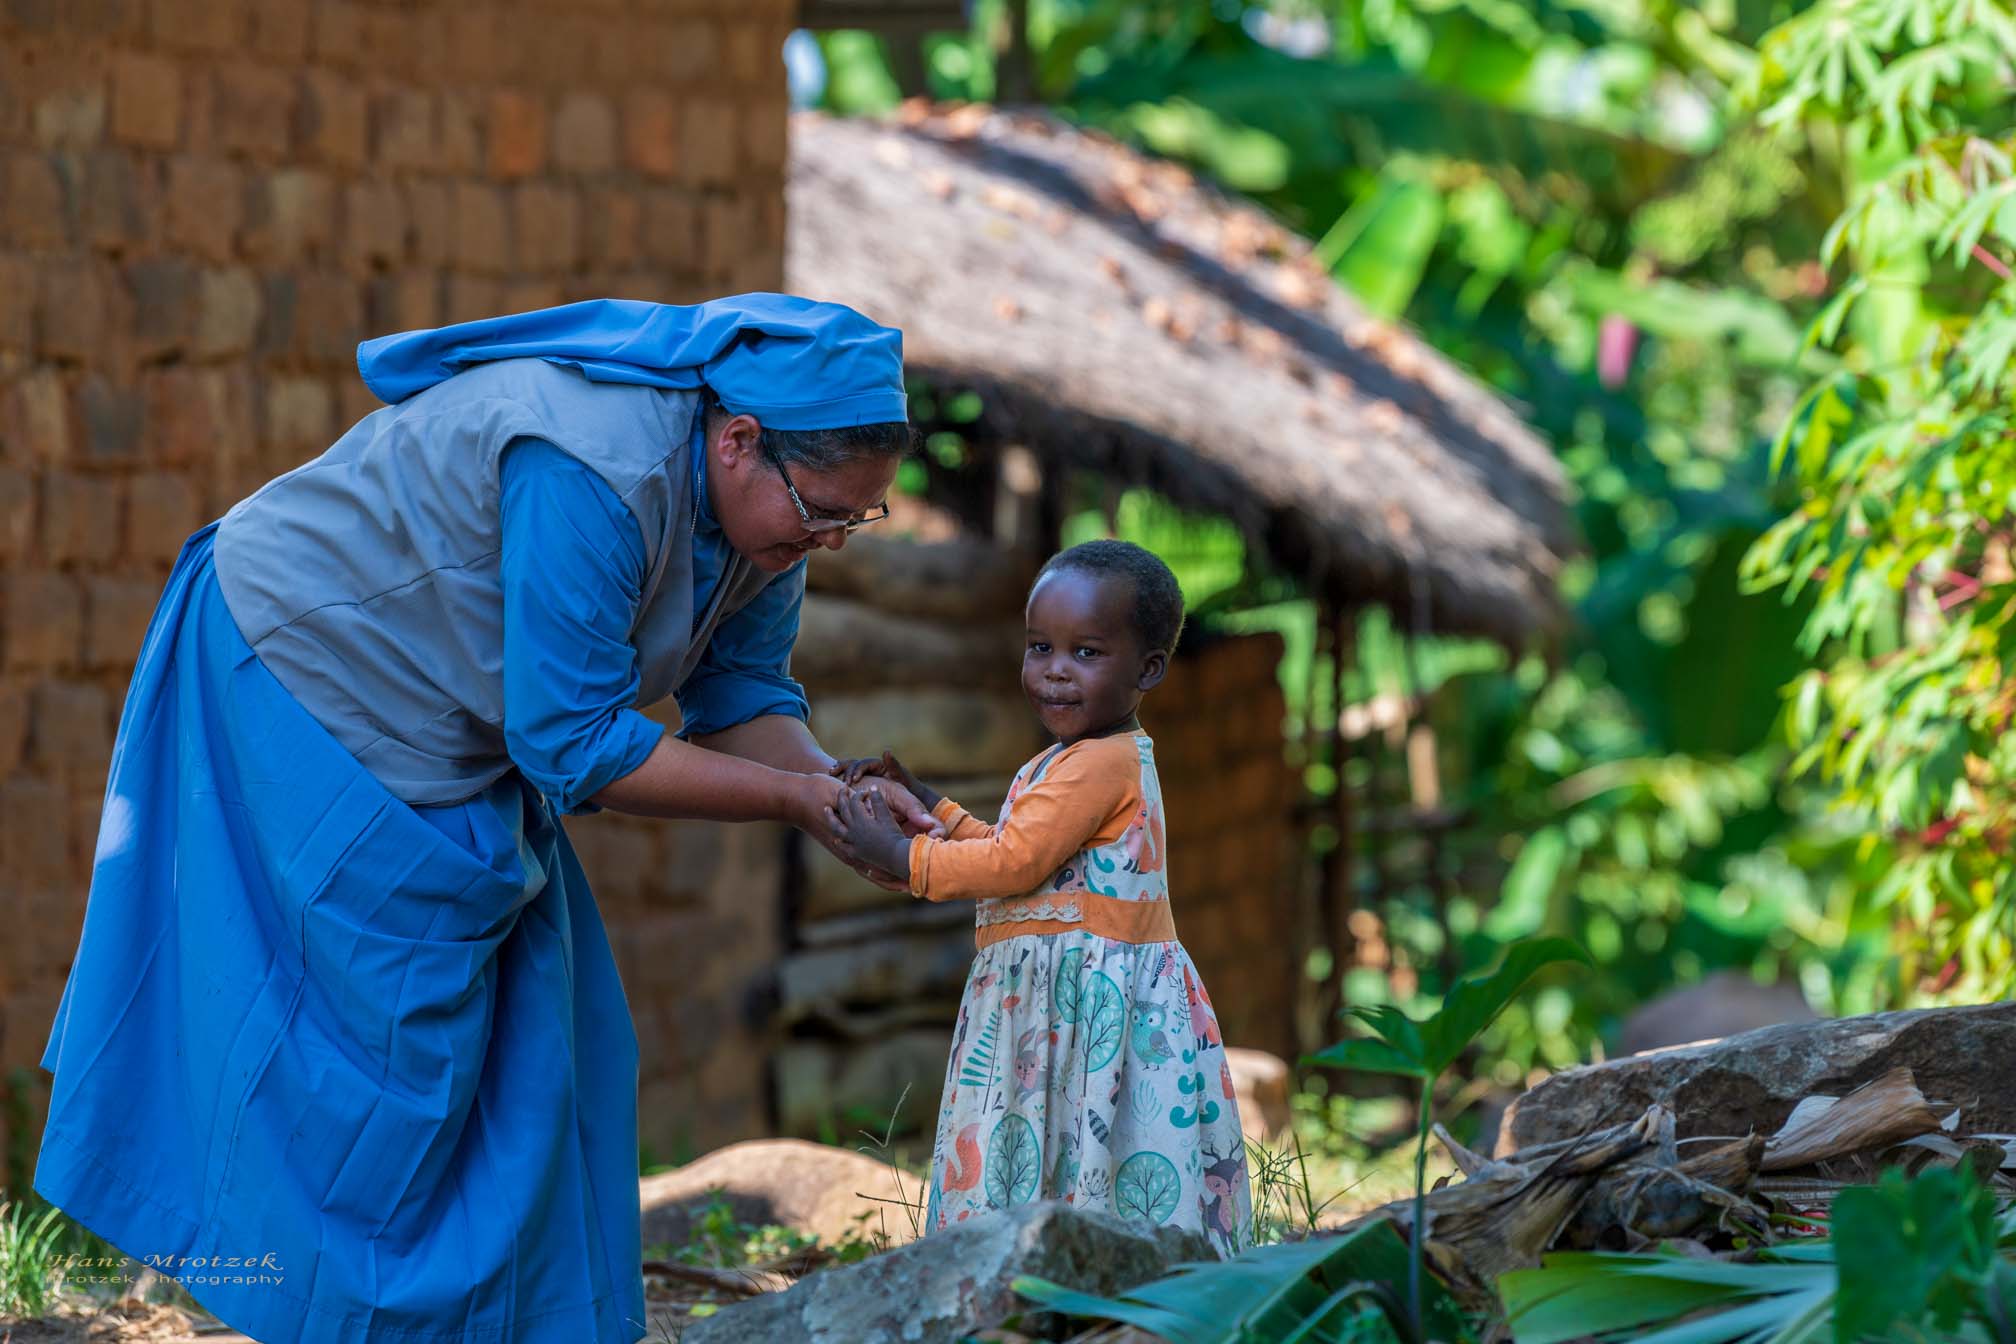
[1216, 721]
[204, 206]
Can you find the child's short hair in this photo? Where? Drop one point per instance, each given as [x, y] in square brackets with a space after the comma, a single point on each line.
[1158, 601]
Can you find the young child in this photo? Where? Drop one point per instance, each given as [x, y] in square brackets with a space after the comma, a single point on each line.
[1087, 1065]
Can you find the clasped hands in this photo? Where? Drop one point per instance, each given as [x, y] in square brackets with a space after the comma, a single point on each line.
[869, 828]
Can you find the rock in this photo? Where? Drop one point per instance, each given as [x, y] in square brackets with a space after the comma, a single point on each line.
[816, 1189]
[1724, 1004]
[1962, 1057]
[1260, 1081]
[955, 1282]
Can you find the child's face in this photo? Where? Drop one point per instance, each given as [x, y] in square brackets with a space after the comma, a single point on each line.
[1083, 667]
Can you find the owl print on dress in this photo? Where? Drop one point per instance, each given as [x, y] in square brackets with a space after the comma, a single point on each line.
[1151, 1043]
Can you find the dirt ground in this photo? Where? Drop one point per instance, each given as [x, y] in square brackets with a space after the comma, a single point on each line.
[136, 1323]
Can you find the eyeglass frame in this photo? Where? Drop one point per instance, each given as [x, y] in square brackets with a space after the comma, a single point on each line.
[815, 526]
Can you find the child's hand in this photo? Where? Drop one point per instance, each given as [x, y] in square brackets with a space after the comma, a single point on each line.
[862, 828]
[886, 766]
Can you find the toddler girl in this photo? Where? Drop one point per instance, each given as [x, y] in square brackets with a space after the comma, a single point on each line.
[1087, 1065]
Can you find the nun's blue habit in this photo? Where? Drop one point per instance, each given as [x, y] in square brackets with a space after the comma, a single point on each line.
[354, 1069]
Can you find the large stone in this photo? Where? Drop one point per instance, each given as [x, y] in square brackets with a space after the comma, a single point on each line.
[1260, 1082]
[862, 1086]
[1724, 1004]
[955, 1282]
[829, 1193]
[1962, 1057]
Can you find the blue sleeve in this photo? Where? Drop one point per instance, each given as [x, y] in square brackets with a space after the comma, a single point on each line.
[745, 671]
[573, 570]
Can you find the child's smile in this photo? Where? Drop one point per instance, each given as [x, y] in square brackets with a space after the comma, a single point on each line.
[1083, 668]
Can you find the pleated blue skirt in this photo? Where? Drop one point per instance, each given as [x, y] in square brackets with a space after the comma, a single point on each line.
[348, 1069]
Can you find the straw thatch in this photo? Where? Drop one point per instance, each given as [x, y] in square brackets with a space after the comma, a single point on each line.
[1115, 314]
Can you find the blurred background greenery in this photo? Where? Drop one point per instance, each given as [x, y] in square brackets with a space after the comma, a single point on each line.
[1615, 212]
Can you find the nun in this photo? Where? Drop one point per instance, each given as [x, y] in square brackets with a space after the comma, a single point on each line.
[343, 1048]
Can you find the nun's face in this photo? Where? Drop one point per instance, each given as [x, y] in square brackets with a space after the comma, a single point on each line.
[754, 504]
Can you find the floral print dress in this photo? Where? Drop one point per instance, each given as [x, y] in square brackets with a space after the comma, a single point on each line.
[1087, 1064]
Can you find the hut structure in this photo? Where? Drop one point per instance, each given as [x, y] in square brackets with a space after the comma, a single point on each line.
[1122, 323]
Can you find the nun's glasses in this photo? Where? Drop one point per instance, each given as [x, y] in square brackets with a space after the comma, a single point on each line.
[817, 526]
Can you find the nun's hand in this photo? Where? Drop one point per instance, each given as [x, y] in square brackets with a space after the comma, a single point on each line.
[862, 823]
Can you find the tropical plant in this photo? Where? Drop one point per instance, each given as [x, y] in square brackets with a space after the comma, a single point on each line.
[1903, 457]
[1424, 1050]
[1924, 1259]
[31, 1264]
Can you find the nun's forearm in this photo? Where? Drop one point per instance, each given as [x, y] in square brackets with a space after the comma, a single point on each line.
[780, 741]
[679, 779]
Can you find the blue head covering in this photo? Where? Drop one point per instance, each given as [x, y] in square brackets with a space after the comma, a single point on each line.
[792, 363]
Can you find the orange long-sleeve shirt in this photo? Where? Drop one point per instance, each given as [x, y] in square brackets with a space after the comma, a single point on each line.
[1087, 795]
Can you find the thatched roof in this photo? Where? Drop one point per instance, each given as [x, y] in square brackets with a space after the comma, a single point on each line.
[1115, 313]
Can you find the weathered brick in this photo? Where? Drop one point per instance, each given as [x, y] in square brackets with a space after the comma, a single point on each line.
[197, 415]
[228, 306]
[300, 418]
[34, 852]
[407, 301]
[17, 515]
[109, 417]
[80, 518]
[765, 134]
[17, 304]
[205, 206]
[146, 100]
[460, 148]
[584, 134]
[336, 32]
[482, 227]
[728, 227]
[69, 724]
[72, 118]
[690, 51]
[430, 210]
[748, 62]
[279, 309]
[35, 211]
[517, 134]
[547, 227]
[165, 508]
[36, 416]
[164, 306]
[406, 132]
[475, 45]
[114, 200]
[615, 219]
[672, 229]
[116, 614]
[374, 218]
[651, 132]
[471, 297]
[252, 110]
[293, 216]
[279, 29]
[199, 25]
[334, 119]
[79, 311]
[44, 622]
[13, 729]
[329, 319]
[707, 149]
[528, 296]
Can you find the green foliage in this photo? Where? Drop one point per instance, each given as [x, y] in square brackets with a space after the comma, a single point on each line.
[1425, 1049]
[1924, 1259]
[1911, 1251]
[1324, 1288]
[31, 1249]
[1904, 464]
